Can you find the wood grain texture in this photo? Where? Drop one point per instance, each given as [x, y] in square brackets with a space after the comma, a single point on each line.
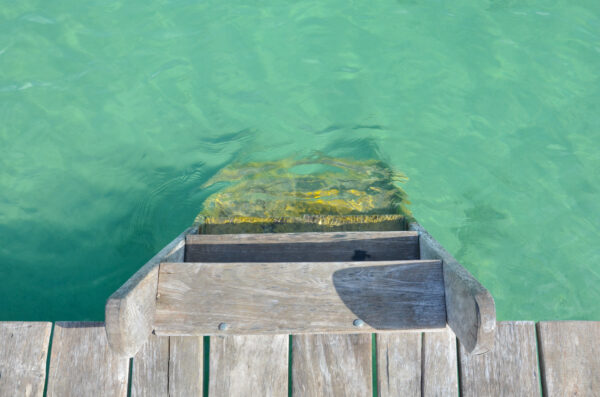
[569, 357]
[439, 364]
[511, 369]
[332, 365]
[303, 247]
[249, 366]
[186, 363]
[150, 372]
[82, 364]
[129, 312]
[23, 351]
[298, 297]
[417, 364]
[471, 311]
[399, 364]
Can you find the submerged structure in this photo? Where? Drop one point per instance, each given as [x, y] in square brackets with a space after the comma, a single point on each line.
[318, 185]
[288, 194]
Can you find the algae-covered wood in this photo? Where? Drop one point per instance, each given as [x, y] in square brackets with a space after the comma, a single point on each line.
[303, 247]
[332, 365]
[23, 351]
[471, 312]
[249, 365]
[510, 369]
[298, 297]
[82, 364]
[299, 224]
[570, 357]
[129, 311]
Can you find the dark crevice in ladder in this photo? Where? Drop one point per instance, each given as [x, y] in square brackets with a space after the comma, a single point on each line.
[540, 360]
[374, 364]
[206, 365]
[458, 369]
[130, 377]
[48, 353]
[290, 356]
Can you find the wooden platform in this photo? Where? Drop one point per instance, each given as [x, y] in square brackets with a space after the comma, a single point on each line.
[73, 359]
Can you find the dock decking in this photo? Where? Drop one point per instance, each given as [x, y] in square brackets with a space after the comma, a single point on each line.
[528, 359]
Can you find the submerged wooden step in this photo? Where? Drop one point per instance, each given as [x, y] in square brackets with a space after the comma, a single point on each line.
[303, 247]
[299, 297]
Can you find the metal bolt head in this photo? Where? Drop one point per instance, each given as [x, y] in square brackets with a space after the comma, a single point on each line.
[358, 322]
[223, 327]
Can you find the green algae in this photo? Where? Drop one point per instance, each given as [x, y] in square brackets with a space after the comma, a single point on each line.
[317, 185]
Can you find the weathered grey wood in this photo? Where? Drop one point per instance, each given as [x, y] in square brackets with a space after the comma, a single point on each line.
[471, 312]
[332, 365]
[439, 364]
[249, 365]
[82, 364]
[511, 369]
[186, 366]
[399, 364]
[298, 297]
[129, 312]
[569, 357]
[417, 364]
[150, 372]
[302, 247]
[23, 351]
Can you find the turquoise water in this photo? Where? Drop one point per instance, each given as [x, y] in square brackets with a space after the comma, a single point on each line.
[113, 114]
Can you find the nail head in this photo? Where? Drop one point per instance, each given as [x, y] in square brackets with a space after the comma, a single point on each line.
[223, 327]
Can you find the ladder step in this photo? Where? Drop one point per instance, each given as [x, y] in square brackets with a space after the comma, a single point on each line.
[303, 247]
[299, 297]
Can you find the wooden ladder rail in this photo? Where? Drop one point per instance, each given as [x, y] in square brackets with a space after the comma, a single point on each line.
[470, 308]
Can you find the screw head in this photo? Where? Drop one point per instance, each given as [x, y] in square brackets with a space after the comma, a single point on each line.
[358, 322]
[223, 327]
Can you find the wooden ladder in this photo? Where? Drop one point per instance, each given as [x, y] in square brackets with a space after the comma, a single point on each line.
[300, 283]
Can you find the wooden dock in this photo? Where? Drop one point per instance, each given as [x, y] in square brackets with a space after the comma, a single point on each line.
[528, 359]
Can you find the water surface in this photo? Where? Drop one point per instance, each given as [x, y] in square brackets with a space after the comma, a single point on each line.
[113, 114]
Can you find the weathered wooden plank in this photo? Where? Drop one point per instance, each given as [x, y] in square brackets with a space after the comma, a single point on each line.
[303, 247]
[150, 372]
[569, 357]
[186, 366]
[249, 365]
[129, 312]
[399, 364]
[417, 364]
[23, 351]
[510, 369]
[471, 311]
[82, 364]
[332, 365]
[439, 364]
[297, 297]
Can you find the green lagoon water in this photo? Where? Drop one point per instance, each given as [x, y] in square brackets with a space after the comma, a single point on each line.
[113, 114]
